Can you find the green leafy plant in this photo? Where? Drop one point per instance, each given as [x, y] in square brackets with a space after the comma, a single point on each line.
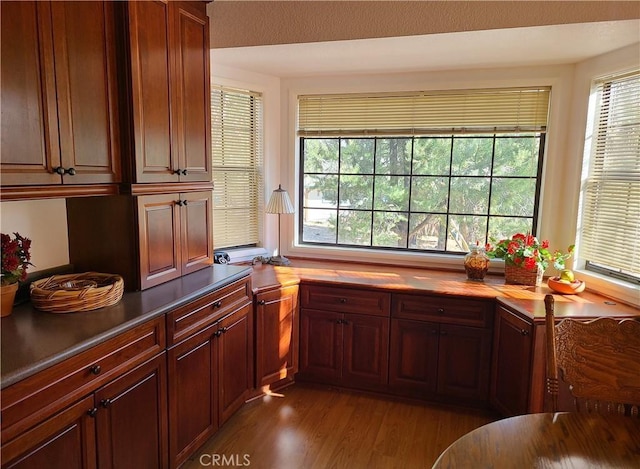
[524, 250]
[15, 258]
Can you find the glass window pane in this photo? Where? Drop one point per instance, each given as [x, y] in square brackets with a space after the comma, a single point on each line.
[505, 227]
[516, 156]
[472, 156]
[513, 196]
[356, 155]
[427, 231]
[318, 225]
[392, 193]
[432, 155]
[466, 231]
[320, 155]
[393, 156]
[469, 195]
[356, 192]
[320, 191]
[390, 229]
[429, 194]
[355, 227]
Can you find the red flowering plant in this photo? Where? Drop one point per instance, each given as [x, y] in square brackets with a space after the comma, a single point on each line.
[15, 258]
[524, 250]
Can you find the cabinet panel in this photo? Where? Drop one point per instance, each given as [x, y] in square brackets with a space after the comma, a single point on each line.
[196, 223]
[64, 441]
[193, 401]
[511, 370]
[277, 329]
[132, 418]
[84, 49]
[321, 345]
[464, 362]
[414, 357]
[150, 85]
[192, 114]
[366, 350]
[235, 352]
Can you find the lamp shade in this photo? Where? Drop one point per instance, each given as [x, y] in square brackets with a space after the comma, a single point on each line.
[279, 202]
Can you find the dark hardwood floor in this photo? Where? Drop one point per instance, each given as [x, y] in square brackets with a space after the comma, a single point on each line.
[305, 427]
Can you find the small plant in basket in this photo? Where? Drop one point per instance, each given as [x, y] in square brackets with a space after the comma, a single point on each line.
[15, 258]
[525, 251]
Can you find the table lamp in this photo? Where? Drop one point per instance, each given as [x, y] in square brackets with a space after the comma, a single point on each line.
[279, 203]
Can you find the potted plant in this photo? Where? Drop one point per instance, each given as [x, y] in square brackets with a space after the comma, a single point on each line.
[15, 261]
[526, 259]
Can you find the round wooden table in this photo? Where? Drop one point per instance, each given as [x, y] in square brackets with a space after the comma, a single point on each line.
[561, 440]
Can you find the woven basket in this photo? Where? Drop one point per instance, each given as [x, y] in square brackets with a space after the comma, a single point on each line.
[518, 276]
[76, 292]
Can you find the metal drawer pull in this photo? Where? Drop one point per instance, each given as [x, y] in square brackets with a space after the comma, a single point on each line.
[441, 310]
[524, 332]
[262, 302]
[92, 412]
[217, 304]
[105, 403]
[95, 369]
[343, 300]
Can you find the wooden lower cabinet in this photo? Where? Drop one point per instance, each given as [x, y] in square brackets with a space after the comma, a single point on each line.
[277, 325]
[210, 377]
[511, 370]
[121, 425]
[350, 350]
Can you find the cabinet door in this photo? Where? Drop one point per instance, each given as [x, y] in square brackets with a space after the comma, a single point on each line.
[464, 363]
[84, 48]
[366, 350]
[132, 418]
[413, 364]
[159, 233]
[196, 242]
[320, 345]
[235, 360]
[30, 140]
[191, 112]
[277, 330]
[511, 370]
[64, 441]
[193, 391]
[150, 85]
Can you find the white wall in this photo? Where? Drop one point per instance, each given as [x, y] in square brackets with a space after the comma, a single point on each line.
[45, 223]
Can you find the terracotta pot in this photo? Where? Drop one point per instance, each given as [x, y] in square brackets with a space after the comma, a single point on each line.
[8, 293]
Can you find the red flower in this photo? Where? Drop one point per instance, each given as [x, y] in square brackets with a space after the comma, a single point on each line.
[545, 244]
[529, 240]
[530, 263]
[15, 258]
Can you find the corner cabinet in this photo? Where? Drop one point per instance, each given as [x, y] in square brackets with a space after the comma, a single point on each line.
[60, 121]
[168, 46]
[277, 324]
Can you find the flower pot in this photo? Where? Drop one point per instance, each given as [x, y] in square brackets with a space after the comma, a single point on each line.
[520, 276]
[8, 293]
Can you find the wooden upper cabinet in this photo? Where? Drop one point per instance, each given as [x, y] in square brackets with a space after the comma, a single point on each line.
[59, 94]
[169, 53]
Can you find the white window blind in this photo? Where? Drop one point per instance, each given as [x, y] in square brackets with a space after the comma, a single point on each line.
[611, 196]
[236, 126]
[414, 113]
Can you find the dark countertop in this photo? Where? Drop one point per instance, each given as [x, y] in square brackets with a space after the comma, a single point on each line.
[33, 340]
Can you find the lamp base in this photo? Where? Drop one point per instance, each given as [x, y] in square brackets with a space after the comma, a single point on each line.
[274, 260]
[279, 260]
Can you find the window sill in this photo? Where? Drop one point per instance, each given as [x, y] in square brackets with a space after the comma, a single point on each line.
[611, 287]
[239, 255]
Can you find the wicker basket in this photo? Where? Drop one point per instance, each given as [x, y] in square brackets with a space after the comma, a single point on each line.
[519, 276]
[76, 292]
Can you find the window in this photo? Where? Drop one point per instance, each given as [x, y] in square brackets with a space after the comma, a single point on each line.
[428, 172]
[610, 213]
[236, 127]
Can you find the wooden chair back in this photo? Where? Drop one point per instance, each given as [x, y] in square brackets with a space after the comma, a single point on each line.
[598, 359]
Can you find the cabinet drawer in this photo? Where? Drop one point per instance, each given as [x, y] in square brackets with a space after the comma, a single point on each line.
[444, 310]
[195, 316]
[346, 300]
[41, 395]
